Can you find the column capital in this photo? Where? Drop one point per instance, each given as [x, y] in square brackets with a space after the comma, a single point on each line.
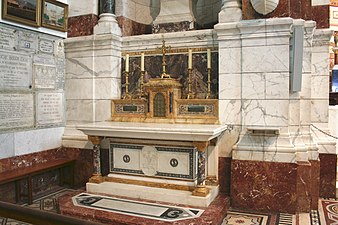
[96, 140]
[201, 145]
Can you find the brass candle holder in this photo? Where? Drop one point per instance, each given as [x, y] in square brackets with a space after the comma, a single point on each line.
[190, 94]
[141, 85]
[127, 95]
[209, 84]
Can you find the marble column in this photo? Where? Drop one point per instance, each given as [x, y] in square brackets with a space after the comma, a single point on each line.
[107, 23]
[201, 190]
[231, 11]
[97, 176]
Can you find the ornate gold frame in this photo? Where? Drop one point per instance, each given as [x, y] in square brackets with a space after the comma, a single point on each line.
[19, 17]
[48, 24]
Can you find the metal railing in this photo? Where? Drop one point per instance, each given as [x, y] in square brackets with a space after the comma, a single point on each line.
[39, 217]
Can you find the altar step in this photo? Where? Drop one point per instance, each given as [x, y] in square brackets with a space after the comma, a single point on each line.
[213, 214]
[153, 193]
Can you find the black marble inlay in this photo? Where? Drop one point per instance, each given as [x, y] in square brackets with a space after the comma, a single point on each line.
[130, 108]
[126, 158]
[174, 162]
[196, 108]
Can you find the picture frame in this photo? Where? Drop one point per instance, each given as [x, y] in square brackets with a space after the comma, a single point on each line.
[22, 11]
[54, 15]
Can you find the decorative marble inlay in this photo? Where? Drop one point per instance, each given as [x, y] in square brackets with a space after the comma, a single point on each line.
[148, 160]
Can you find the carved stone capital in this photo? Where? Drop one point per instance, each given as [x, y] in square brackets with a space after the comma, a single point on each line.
[201, 145]
[96, 140]
[211, 181]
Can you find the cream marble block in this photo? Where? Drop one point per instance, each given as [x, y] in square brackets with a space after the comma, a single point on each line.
[102, 110]
[305, 115]
[77, 89]
[265, 59]
[6, 146]
[319, 63]
[294, 112]
[136, 10]
[154, 194]
[37, 140]
[228, 140]
[264, 156]
[188, 39]
[265, 112]
[86, 7]
[173, 11]
[77, 68]
[319, 110]
[320, 2]
[212, 161]
[107, 88]
[320, 87]
[230, 86]
[74, 138]
[107, 70]
[305, 93]
[230, 60]
[230, 111]
[80, 110]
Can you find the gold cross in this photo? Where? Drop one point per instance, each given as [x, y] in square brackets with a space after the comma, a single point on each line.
[164, 50]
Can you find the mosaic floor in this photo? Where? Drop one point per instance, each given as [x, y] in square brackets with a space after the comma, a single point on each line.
[326, 215]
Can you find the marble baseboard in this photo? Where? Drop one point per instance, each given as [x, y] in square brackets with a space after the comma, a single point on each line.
[81, 25]
[213, 214]
[328, 170]
[224, 174]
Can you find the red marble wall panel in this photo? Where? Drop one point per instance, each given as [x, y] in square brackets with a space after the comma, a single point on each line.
[315, 175]
[130, 27]
[328, 170]
[81, 25]
[303, 186]
[224, 174]
[321, 14]
[264, 186]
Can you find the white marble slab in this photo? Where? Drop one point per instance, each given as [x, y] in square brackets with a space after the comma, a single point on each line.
[159, 131]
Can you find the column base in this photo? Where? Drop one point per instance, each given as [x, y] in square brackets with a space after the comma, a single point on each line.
[211, 181]
[107, 25]
[201, 191]
[96, 179]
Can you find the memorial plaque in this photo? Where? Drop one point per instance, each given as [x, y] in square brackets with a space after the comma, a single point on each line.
[44, 76]
[43, 59]
[8, 38]
[49, 109]
[28, 41]
[16, 111]
[46, 46]
[15, 70]
[60, 73]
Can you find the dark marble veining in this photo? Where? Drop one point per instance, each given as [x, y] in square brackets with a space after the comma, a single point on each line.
[130, 27]
[81, 25]
[264, 186]
[224, 174]
[177, 67]
[213, 214]
[173, 27]
[328, 170]
[314, 183]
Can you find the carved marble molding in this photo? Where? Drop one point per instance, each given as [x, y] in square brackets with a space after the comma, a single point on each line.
[264, 6]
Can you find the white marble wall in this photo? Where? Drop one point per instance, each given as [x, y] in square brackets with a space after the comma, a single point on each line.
[141, 11]
[86, 7]
[25, 142]
[92, 80]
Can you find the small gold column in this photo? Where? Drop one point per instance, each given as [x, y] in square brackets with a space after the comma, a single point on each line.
[96, 177]
[201, 190]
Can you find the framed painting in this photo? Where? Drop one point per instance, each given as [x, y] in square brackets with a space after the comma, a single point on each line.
[54, 15]
[22, 11]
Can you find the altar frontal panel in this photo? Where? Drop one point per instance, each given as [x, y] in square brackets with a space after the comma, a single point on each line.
[154, 161]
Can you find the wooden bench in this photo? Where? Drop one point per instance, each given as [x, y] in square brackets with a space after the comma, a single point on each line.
[28, 173]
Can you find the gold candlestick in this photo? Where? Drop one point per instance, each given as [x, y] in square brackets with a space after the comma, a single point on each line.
[141, 84]
[164, 50]
[190, 95]
[127, 95]
[209, 84]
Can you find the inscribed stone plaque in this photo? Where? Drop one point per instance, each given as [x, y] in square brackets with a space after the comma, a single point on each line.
[44, 76]
[8, 38]
[43, 59]
[28, 41]
[15, 70]
[46, 46]
[60, 73]
[16, 111]
[49, 109]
